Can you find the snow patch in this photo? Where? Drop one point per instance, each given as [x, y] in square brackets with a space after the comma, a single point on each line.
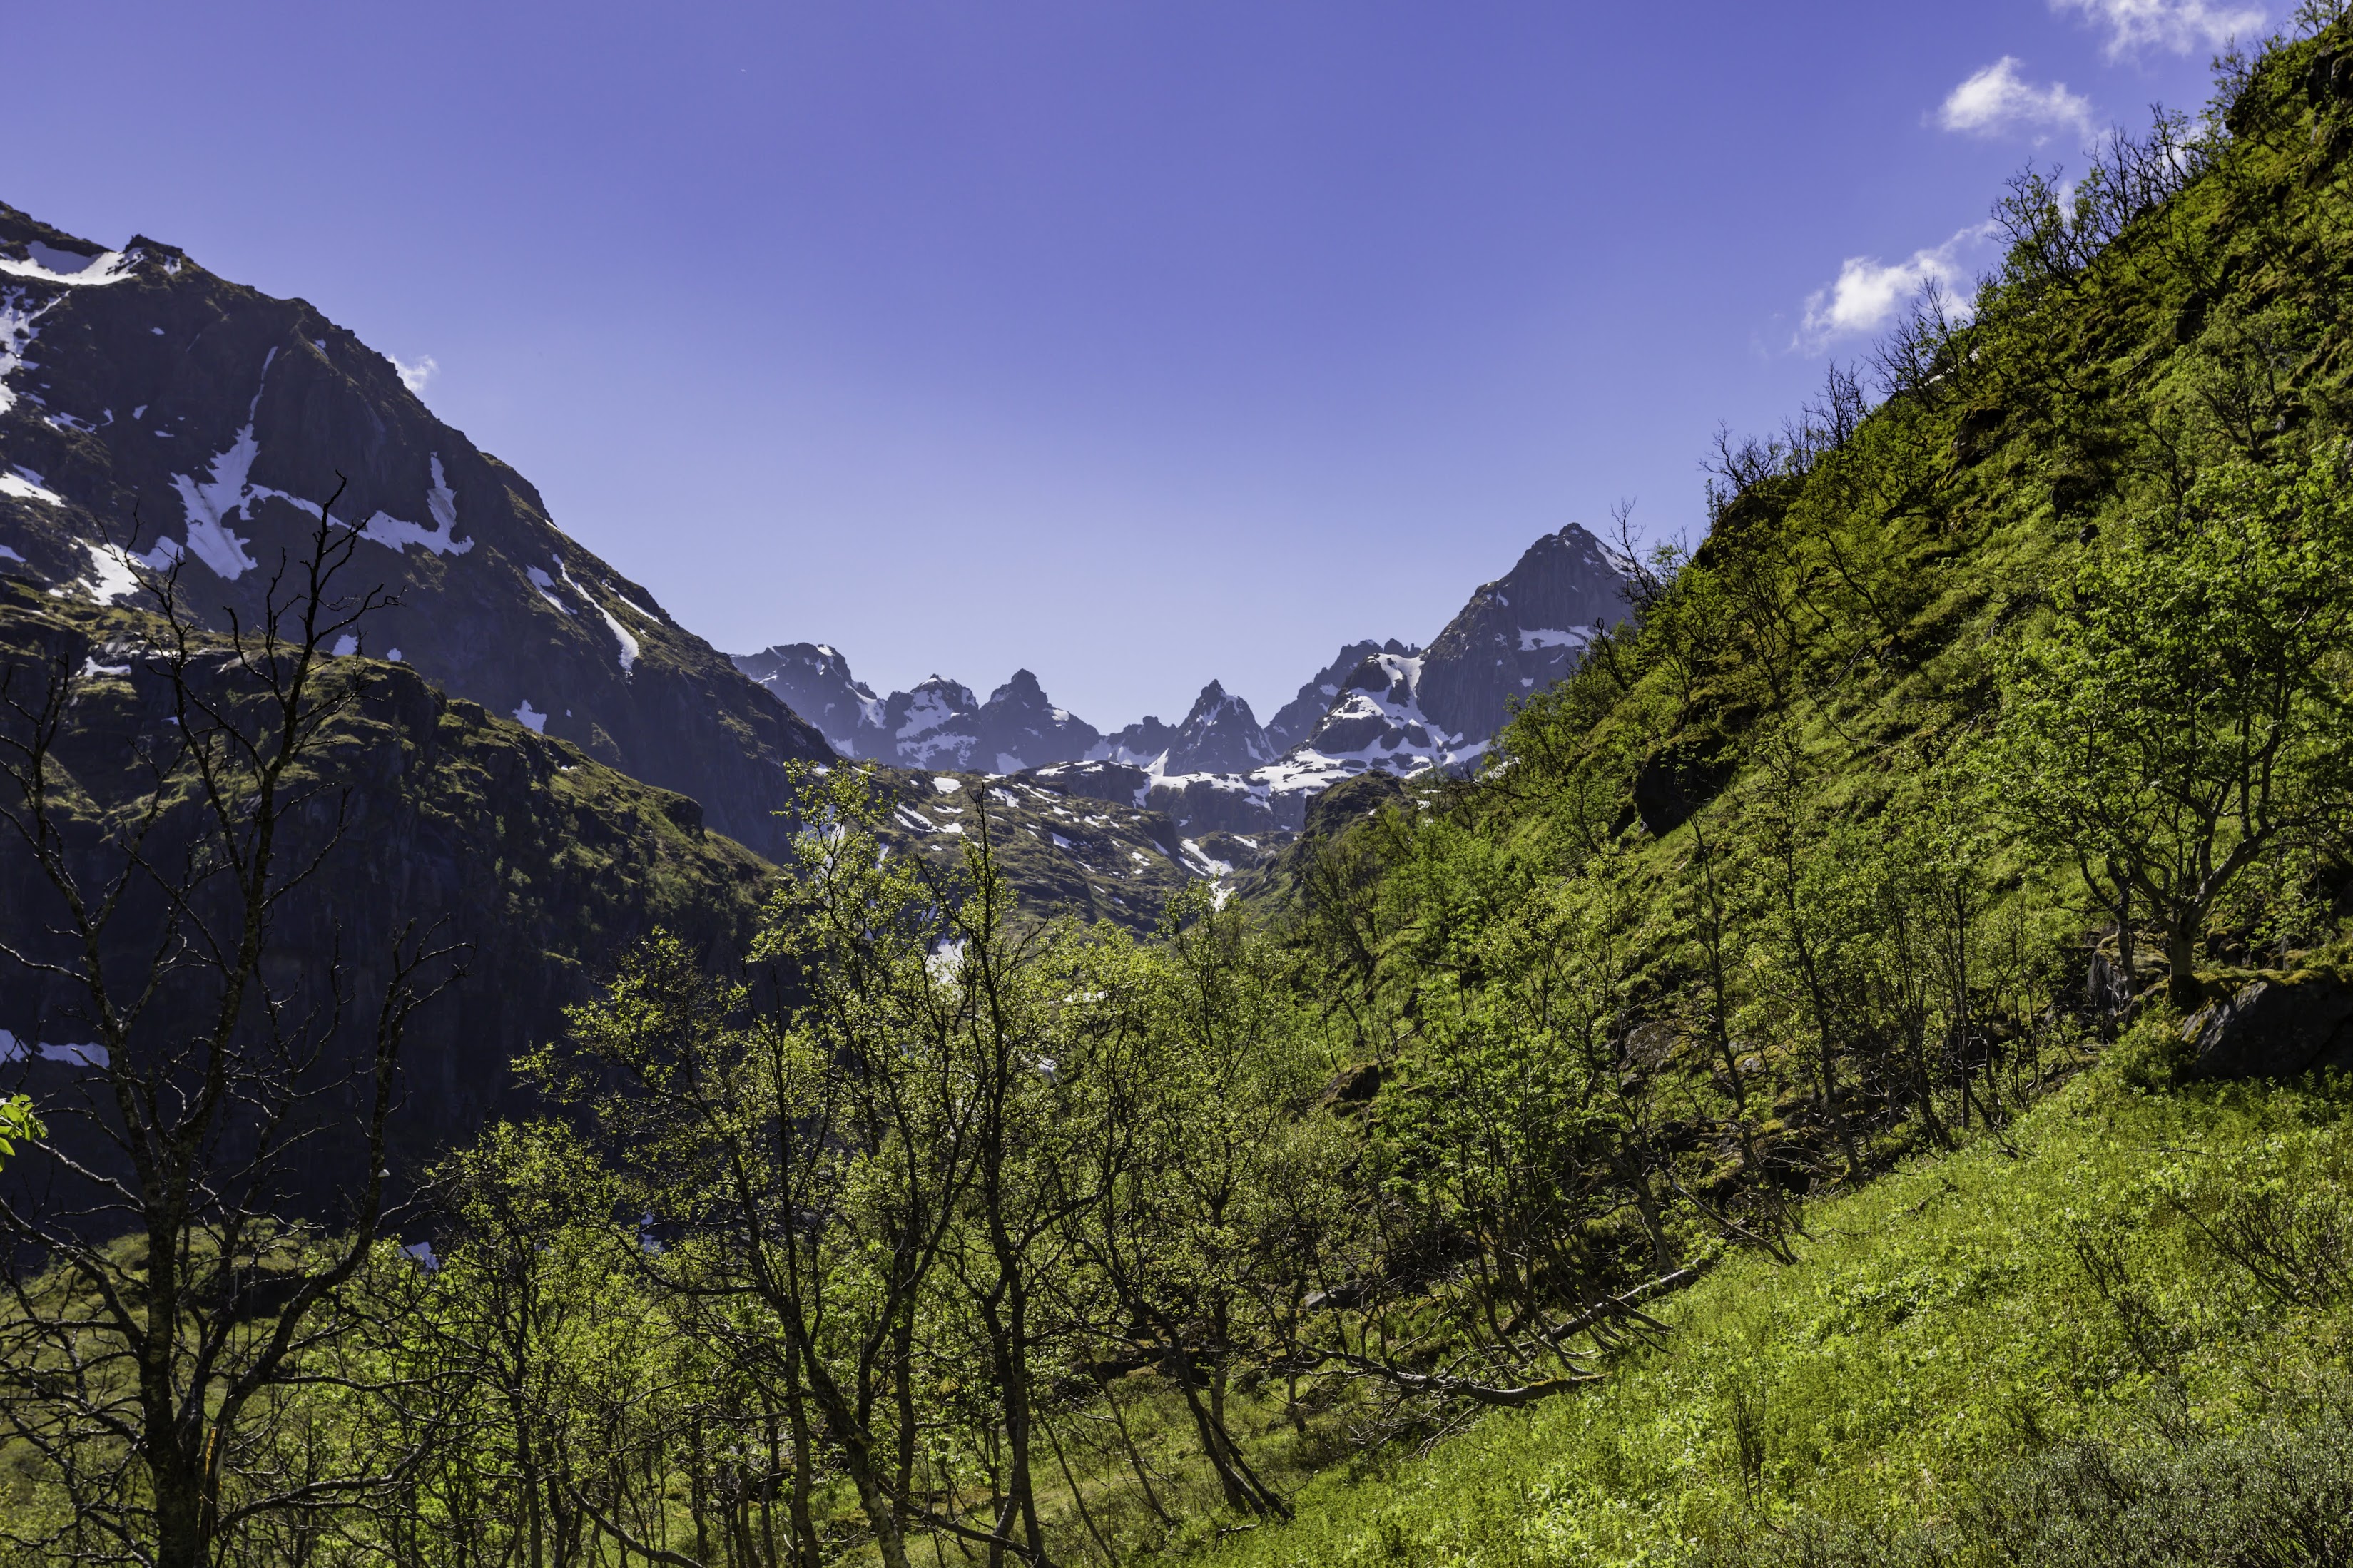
[632, 604]
[530, 718]
[1534, 638]
[16, 1048]
[25, 485]
[621, 635]
[15, 330]
[48, 264]
[224, 494]
[545, 584]
[947, 786]
[114, 570]
[620, 632]
[346, 646]
[393, 534]
[8, 554]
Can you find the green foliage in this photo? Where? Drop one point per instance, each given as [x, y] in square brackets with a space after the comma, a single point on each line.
[17, 1124]
[2190, 714]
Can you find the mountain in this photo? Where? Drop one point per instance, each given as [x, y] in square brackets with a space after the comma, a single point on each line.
[815, 682]
[1220, 735]
[1395, 709]
[151, 409]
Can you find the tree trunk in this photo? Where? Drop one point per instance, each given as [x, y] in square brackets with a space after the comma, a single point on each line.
[2181, 958]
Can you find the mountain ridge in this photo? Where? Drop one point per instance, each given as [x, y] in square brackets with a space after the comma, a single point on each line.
[152, 410]
[1386, 705]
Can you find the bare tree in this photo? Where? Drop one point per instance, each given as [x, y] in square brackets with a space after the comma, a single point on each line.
[172, 1269]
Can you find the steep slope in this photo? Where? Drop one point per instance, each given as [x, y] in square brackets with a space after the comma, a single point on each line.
[2012, 1327]
[150, 408]
[542, 862]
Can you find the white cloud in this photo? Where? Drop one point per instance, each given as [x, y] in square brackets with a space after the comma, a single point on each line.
[1869, 291]
[1998, 99]
[2180, 25]
[415, 377]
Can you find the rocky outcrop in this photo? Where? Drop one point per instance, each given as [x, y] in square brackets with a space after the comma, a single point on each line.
[2275, 1028]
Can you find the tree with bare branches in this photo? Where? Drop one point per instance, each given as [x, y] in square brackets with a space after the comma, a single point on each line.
[174, 1262]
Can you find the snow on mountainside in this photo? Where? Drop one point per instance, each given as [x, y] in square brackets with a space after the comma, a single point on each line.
[154, 413]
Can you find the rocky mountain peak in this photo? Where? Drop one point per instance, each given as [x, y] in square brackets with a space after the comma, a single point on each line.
[1521, 633]
[1220, 735]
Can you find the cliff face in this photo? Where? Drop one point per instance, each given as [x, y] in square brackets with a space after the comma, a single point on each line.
[151, 409]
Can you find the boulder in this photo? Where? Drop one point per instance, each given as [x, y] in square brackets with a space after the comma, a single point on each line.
[2274, 1028]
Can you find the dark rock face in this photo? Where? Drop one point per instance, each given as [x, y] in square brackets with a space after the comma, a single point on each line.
[1297, 717]
[1221, 736]
[815, 682]
[1142, 744]
[2274, 1028]
[1520, 633]
[151, 409]
[1675, 781]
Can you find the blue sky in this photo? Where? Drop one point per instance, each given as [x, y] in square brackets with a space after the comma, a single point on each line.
[1136, 342]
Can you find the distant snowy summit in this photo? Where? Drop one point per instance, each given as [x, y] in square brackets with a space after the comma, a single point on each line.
[1387, 707]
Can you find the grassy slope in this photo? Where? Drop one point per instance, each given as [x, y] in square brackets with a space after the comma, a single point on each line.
[1937, 1327]
[1941, 1323]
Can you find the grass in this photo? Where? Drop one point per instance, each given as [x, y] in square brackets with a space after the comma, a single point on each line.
[2057, 1285]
